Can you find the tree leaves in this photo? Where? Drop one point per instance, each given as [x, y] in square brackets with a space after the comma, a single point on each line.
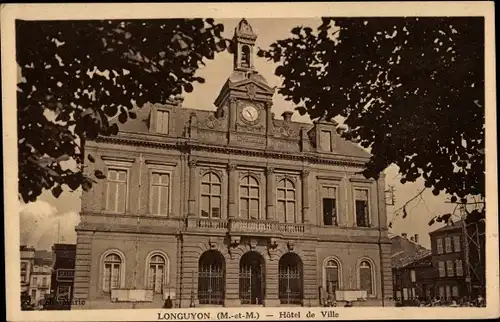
[410, 89]
[87, 88]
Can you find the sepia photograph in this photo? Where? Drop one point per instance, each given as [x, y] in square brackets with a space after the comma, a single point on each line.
[226, 162]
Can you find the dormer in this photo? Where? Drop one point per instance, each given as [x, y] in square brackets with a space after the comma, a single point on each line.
[325, 130]
[161, 116]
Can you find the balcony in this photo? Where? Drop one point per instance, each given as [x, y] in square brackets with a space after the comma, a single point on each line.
[245, 226]
[264, 226]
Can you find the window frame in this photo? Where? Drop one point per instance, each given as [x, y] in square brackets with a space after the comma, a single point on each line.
[337, 204]
[368, 206]
[248, 197]
[413, 276]
[372, 272]
[153, 171]
[439, 245]
[450, 268]
[113, 167]
[339, 272]
[211, 195]
[286, 200]
[461, 268]
[447, 245]
[441, 269]
[103, 270]
[457, 241]
[330, 145]
[159, 111]
[166, 271]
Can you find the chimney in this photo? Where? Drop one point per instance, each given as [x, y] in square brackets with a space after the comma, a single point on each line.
[405, 235]
[416, 238]
[287, 116]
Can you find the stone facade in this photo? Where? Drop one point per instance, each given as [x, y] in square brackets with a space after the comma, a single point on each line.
[211, 158]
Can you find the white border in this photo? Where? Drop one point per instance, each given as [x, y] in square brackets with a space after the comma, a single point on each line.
[10, 12]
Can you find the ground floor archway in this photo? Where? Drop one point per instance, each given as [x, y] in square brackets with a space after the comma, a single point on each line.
[252, 278]
[211, 278]
[290, 271]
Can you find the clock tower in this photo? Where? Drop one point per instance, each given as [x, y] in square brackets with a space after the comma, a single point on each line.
[246, 96]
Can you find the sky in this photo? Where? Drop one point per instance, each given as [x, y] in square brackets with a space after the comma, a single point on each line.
[50, 220]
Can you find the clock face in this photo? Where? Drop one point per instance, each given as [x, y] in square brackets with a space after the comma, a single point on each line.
[250, 113]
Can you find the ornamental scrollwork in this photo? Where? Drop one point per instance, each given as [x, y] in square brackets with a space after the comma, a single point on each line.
[192, 163]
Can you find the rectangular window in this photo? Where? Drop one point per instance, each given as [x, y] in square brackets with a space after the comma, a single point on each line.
[117, 190]
[162, 121]
[413, 276]
[44, 282]
[449, 268]
[111, 276]
[33, 295]
[454, 291]
[35, 280]
[160, 193]
[456, 243]
[326, 141]
[329, 195]
[442, 270]
[361, 205]
[448, 290]
[447, 244]
[439, 242]
[405, 293]
[442, 292]
[459, 268]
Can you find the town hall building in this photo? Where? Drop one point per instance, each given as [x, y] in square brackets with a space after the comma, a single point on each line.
[229, 207]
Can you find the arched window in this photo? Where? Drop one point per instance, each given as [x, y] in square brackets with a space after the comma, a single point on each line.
[365, 277]
[210, 196]
[249, 198]
[332, 277]
[245, 56]
[286, 201]
[157, 272]
[112, 277]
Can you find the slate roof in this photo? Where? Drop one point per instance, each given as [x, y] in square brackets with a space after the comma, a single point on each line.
[43, 257]
[181, 117]
[405, 251]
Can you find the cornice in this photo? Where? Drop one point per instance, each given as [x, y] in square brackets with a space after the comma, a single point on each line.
[183, 144]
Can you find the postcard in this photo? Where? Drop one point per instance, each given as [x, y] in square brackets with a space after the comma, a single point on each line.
[250, 161]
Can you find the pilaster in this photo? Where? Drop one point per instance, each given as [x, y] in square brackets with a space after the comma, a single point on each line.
[232, 190]
[193, 188]
[305, 196]
[271, 194]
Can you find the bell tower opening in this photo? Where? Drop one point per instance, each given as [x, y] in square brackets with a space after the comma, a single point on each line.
[244, 43]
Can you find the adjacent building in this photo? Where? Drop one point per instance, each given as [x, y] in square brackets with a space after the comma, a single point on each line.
[27, 261]
[63, 269]
[413, 273]
[231, 206]
[40, 279]
[459, 258]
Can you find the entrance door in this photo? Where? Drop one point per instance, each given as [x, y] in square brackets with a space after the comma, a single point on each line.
[252, 278]
[211, 278]
[290, 279]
